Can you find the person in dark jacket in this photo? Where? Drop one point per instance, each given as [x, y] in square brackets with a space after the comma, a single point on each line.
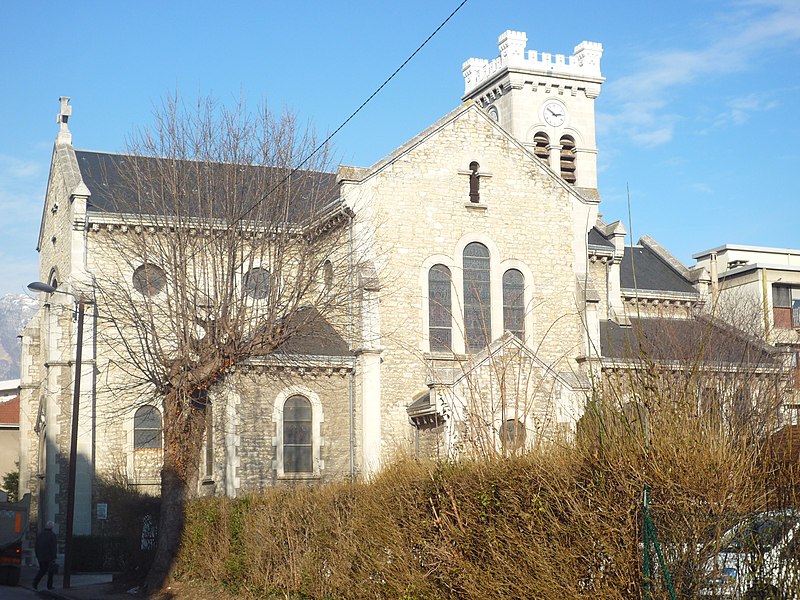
[46, 552]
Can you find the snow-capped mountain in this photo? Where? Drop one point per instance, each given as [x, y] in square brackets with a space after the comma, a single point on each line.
[15, 312]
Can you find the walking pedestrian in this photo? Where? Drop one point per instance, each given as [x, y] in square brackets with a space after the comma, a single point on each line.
[46, 552]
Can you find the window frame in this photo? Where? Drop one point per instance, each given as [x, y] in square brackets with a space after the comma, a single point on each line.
[299, 443]
[136, 429]
[446, 323]
[519, 304]
[317, 418]
[785, 311]
[475, 308]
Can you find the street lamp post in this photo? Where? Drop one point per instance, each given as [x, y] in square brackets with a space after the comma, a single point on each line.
[38, 286]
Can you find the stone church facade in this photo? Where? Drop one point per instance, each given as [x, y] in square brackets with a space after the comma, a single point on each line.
[484, 314]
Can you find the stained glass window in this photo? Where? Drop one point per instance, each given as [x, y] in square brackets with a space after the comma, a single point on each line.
[514, 302]
[297, 436]
[440, 320]
[477, 297]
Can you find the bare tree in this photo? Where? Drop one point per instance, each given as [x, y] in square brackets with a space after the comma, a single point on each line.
[226, 241]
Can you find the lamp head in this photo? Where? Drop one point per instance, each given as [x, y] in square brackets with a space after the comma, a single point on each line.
[38, 286]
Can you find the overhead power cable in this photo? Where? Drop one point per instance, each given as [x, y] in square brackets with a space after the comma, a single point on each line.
[383, 85]
[323, 144]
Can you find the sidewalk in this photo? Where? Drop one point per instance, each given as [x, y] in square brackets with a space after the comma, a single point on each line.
[83, 586]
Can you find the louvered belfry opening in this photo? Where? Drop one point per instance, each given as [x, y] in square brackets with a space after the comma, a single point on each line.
[568, 159]
[541, 142]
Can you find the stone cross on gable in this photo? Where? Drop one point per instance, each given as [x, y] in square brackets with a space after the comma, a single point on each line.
[64, 136]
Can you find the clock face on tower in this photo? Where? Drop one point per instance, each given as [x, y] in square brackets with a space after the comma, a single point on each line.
[554, 114]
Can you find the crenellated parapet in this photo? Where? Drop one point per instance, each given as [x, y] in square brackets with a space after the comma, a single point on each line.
[584, 63]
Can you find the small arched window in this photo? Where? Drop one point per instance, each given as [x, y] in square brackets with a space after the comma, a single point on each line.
[298, 448]
[514, 302]
[540, 144]
[477, 297]
[568, 159]
[474, 183]
[147, 428]
[327, 276]
[440, 319]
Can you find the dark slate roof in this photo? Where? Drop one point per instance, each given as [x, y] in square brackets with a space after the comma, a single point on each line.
[652, 272]
[596, 238]
[110, 179]
[314, 337]
[683, 340]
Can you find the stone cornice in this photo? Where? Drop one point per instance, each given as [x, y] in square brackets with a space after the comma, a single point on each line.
[311, 365]
[676, 365]
[657, 296]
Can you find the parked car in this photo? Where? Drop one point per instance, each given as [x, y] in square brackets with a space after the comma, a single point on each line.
[13, 525]
[758, 558]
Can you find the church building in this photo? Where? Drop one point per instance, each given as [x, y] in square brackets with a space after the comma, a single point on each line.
[490, 304]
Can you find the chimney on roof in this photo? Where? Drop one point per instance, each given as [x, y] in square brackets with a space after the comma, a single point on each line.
[65, 112]
[714, 279]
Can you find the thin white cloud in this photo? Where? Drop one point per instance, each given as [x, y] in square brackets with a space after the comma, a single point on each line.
[18, 271]
[739, 110]
[652, 137]
[642, 97]
[12, 168]
[701, 188]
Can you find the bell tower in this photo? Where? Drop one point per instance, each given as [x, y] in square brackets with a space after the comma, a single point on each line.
[546, 101]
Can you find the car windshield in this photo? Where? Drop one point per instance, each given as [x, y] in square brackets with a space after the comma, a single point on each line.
[758, 533]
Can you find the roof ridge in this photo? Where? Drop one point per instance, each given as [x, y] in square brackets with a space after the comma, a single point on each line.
[196, 160]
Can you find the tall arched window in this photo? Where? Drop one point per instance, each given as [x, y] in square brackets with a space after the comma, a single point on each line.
[147, 428]
[440, 319]
[514, 302]
[541, 142]
[298, 448]
[477, 297]
[568, 159]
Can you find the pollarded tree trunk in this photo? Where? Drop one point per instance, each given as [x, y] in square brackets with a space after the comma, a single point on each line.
[235, 221]
[184, 425]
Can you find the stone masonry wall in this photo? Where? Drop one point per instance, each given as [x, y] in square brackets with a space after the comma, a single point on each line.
[255, 428]
[419, 201]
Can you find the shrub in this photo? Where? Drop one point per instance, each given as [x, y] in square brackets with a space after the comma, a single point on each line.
[562, 522]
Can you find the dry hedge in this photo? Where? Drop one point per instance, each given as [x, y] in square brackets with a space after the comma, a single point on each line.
[564, 522]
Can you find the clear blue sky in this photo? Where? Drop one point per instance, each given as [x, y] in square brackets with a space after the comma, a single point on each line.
[698, 115]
